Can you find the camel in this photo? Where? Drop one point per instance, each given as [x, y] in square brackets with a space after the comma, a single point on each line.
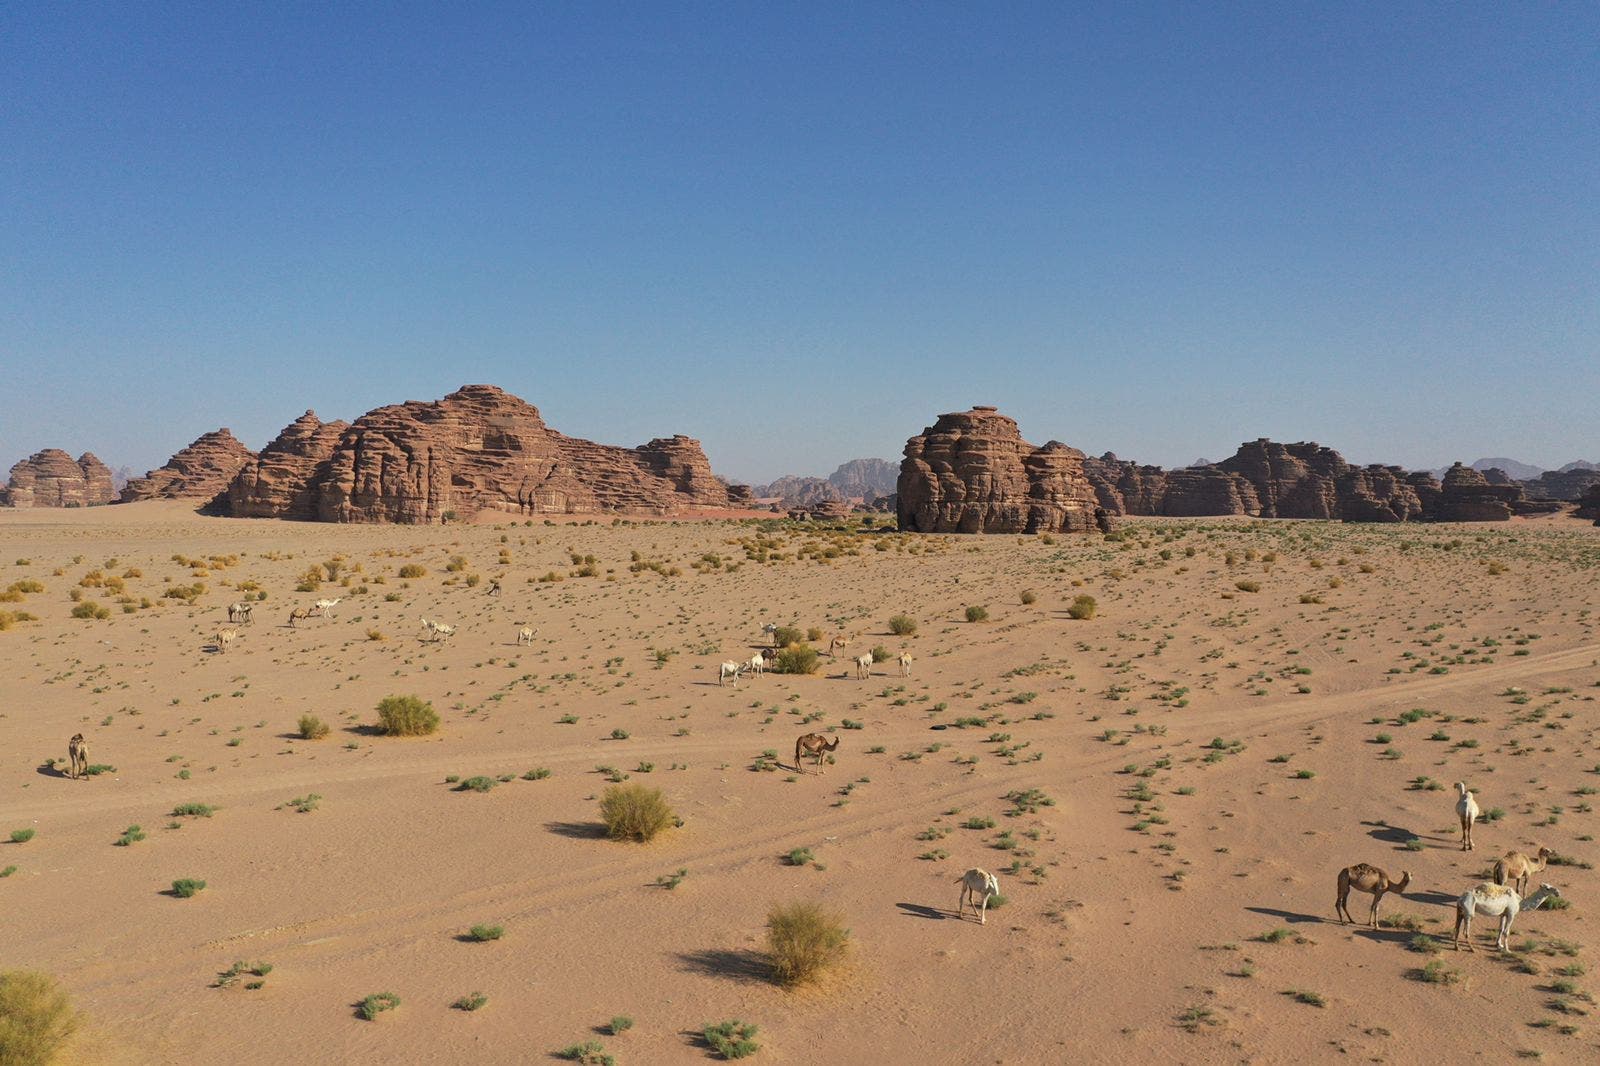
[1495, 901]
[813, 744]
[1467, 811]
[78, 755]
[757, 664]
[863, 666]
[1364, 878]
[729, 669]
[326, 606]
[494, 587]
[299, 614]
[976, 883]
[905, 664]
[1515, 866]
[771, 630]
[239, 613]
[525, 636]
[223, 638]
[836, 642]
[442, 630]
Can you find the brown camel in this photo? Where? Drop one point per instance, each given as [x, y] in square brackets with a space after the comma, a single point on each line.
[78, 754]
[1515, 866]
[813, 744]
[1365, 878]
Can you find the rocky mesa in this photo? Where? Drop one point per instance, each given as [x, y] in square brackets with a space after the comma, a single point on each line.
[200, 470]
[52, 478]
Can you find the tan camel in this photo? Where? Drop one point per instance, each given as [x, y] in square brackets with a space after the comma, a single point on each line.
[1467, 811]
[863, 666]
[905, 664]
[223, 638]
[298, 615]
[836, 643]
[78, 755]
[813, 744]
[1515, 866]
[1365, 878]
[1495, 901]
[977, 884]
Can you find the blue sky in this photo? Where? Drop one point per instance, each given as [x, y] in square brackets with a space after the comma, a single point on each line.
[801, 231]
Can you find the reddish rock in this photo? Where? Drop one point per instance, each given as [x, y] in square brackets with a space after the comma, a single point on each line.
[1589, 504]
[201, 470]
[1124, 487]
[1467, 496]
[1208, 490]
[1562, 484]
[1291, 480]
[478, 449]
[281, 481]
[1378, 494]
[52, 478]
[971, 472]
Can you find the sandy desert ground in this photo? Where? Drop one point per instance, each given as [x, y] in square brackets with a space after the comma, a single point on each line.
[1254, 705]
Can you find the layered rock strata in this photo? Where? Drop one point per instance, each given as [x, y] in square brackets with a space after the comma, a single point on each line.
[201, 470]
[52, 478]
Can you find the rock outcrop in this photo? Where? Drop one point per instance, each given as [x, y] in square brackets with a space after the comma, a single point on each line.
[1125, 487]
[1589, 505]
[52, 478]
[1290, 480]
[971, 472]
[1562, 484]
[1198, 491]
[1467, 496]
[201, 470]
[478, 449]
[281, 482]
[1378, 493]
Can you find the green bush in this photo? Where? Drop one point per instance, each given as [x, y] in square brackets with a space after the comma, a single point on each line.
[732, 1039]
[1082, 608]
[407, 716]
[186, 887]
[22, 836]
[902, 625]
[476, 784]
[413, 570]
[880, 654]
[36, 1019]
[784, 636]
[91, 609]
[312, 727]
[804, 941]
[635, 812]
[485, 933]
[796, 659]
[376, 1004]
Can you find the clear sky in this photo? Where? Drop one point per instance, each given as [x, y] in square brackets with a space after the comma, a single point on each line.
[801, 231]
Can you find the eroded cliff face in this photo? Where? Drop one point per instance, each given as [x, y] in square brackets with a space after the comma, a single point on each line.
[1467, 496]
[971, 472]
[52, 478]
[478, 449]
[201, 470]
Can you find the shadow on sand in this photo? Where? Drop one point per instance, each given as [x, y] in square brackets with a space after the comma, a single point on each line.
[735, 964]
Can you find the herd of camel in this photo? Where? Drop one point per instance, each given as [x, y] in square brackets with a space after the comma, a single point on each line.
[1494, 899]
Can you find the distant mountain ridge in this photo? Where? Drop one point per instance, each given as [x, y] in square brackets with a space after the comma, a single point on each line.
[863, 479]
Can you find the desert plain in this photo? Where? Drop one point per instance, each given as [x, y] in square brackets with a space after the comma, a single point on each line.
[1165, 790]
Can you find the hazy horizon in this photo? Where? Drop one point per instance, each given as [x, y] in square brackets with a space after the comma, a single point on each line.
[800, 234]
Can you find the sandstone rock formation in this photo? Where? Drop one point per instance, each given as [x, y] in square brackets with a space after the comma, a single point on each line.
[478, 449]
[1562, 484]
[971, 472]
[1589, 505]
[1124, 487]
[281, 481]
[1290, 480]
[200, 470]
[1208, 490]
[1467, 496]
[1378, 493]
[52, 478]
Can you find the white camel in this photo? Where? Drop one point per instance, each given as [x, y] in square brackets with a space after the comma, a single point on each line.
[905, 664]
[1500, 901]
[863, 666]
[240, 613]
[730, 669]
[442, 630]
[757, 664]
[978, 885]
[327, 606]
[1467, 811]
[525, 636]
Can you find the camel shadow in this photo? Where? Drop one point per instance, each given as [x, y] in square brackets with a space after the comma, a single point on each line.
[46, 770]
[1292, 917]
[1385, 833]
[1438, 899]
[578, 830]
[1385, 936]
[917, 910]
[734, 964]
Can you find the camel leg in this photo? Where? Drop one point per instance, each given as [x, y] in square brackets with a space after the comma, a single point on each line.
[961, 902]
[983, 915]
[1372, 919]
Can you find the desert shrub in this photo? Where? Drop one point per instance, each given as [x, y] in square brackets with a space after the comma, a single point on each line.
[485, 933]
[376, 1004]
[620, 1024]
[376, 634]
[476, 784]
[787, 635]
[880, 654]
[635, 812]
[1247, 586]
[457, 564]
[804, 940]
[472, 1002]
[977, 614]
[193, 810]
[902, 625]
[130, 836]
[1082, 608]
[36, 1019]
[732, 1039]
[588, 1053]
[796, 659]
[312, 728]
[413, 570]
[186, 887]
[91, 609]
[27, 585]
[22, 836]
[814, 634]
[407, 716]
[1029, 596]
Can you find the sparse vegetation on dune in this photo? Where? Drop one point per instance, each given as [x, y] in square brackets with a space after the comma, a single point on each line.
[37, 1019]
[635, 812]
